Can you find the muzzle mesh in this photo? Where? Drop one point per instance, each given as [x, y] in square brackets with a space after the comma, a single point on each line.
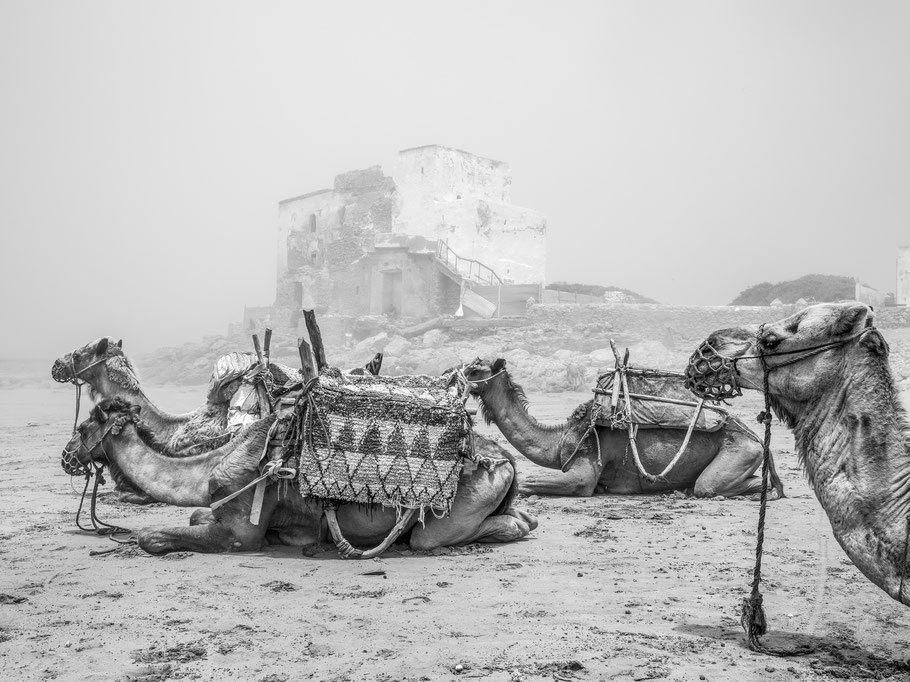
[71, 465]
[710, 375]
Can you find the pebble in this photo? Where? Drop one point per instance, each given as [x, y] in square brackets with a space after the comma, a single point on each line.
[459, 668]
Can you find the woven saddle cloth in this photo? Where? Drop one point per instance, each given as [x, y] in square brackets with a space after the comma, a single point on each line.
[396, 441]
[656, 399]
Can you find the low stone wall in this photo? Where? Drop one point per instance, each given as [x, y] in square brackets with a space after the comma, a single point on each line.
[674, 326]
[895, 317]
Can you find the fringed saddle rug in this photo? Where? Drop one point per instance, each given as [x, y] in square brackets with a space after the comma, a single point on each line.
[396, 441]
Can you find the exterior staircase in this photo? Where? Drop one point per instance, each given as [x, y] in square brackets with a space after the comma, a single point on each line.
[464, 269]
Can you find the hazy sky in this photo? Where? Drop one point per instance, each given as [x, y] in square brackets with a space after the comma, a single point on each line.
[685, 150]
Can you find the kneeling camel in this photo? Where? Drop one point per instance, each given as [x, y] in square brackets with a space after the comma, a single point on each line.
[481, 510]
[721, 462]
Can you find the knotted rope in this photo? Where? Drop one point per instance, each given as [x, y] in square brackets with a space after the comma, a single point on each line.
[753, 614]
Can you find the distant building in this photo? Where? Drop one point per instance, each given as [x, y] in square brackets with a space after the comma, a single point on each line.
[902, 293]
[868, 295]
[410, 244]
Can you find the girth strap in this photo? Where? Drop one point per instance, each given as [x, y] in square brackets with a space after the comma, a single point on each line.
[348, 551]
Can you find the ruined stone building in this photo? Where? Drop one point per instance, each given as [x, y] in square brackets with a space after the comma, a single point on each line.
[438, 234]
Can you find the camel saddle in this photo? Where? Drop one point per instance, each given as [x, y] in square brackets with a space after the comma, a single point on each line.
[652, 399]
[397, 441]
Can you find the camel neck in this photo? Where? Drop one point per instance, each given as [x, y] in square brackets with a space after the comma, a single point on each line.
[853, 447]
[164, 424]
[180, 481]
[538, 442]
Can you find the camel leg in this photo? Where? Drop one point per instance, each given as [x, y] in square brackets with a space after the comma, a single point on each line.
[127, 491]
[579, 481]
[733, 471]
[229, 529]
[479, 493]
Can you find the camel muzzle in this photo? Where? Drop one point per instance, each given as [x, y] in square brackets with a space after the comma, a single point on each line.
[62, 370]
[710, 375]
[69, 460]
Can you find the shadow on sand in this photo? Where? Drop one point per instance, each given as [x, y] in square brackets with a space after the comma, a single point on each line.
[832, 656]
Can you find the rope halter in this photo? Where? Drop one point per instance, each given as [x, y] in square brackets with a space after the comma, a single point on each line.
[714, 376]
[91, 435]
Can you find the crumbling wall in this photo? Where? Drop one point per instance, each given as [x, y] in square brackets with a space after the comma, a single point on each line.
[465, 199]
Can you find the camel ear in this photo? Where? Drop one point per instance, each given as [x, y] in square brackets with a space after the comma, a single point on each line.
[849, 320]
[102, 346]
[120, 344]
[499, 365]
[134, 410]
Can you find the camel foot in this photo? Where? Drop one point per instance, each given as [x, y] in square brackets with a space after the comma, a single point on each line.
[502, 528]
[773, 494]
[209, 537]
[528, 519]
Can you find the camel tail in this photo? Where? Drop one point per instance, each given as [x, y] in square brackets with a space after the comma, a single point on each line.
[513, 487]
[774, 478]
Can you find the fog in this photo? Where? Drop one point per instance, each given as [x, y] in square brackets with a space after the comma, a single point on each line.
[682, 150]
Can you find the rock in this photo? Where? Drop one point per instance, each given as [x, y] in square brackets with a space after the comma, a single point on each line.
[371, 345]
[601, 356]
[433, 338]
[397, 346]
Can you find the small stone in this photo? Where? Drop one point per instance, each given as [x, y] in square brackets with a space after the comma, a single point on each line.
[702, 677]
[580, 575]
[459, 668]
[628, 612]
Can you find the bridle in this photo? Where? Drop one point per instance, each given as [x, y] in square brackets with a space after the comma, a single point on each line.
[77, 382]
[94, 469]
[465, 382]
[713, 376]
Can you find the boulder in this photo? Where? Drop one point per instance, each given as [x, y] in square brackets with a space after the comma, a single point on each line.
[433, 338]
[601, 357]
[371, 345]
[397, 346]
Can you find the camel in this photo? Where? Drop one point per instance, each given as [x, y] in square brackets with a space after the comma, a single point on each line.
[108, 372]
[481, 510]
[828, 379]
[721, 462]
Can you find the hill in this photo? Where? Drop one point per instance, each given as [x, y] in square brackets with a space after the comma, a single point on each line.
[629, 296]
[820, 288]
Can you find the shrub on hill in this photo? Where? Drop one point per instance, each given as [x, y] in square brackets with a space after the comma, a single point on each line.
[818, 288]
[599, 290]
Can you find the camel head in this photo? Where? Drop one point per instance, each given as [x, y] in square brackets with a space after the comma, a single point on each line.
[804, 354]
[96, 363]
[479, 373]
[87, 445]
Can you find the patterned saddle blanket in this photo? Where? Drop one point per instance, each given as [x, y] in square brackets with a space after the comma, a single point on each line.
[397, 441]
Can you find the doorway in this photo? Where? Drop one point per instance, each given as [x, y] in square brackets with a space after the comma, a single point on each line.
[391, 293]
